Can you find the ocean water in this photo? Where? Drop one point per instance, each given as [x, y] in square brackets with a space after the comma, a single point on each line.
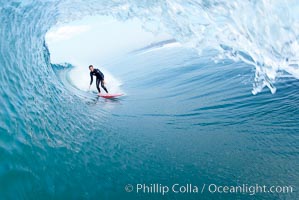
[222, 108]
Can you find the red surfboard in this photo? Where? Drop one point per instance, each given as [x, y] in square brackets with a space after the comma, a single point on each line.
[110, 96]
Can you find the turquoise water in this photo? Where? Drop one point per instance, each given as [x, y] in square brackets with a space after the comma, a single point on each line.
[185, 118]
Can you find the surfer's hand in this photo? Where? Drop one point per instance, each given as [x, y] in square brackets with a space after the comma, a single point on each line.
[104, 82]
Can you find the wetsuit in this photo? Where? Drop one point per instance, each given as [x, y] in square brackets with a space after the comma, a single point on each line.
[100, 78]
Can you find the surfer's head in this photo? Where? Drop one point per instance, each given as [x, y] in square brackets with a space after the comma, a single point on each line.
[91, 68]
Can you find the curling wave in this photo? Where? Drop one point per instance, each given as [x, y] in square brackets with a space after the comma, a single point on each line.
[186, 114]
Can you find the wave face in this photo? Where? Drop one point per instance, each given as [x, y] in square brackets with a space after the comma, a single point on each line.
[185, 118]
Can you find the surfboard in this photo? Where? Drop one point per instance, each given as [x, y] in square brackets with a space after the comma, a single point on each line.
[110, 96]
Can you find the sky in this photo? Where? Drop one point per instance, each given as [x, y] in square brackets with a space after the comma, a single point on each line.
[96, 40]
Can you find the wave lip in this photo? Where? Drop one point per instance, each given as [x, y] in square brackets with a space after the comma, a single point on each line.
[264, 31]
[156, 45]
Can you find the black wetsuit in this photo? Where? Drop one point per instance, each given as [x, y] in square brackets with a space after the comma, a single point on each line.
[100, 79]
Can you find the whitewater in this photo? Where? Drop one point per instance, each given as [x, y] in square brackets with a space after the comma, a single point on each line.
[218, 104]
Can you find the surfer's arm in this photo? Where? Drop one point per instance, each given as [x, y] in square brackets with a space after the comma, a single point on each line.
[91, 78]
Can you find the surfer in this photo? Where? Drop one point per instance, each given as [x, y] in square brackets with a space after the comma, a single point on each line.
[100, 78]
